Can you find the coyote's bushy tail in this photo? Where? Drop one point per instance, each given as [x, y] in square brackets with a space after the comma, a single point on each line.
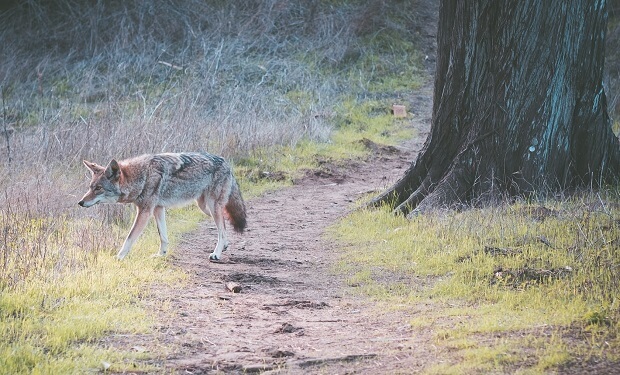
[235, 207]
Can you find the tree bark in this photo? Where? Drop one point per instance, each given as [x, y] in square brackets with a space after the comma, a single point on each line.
[518, 108]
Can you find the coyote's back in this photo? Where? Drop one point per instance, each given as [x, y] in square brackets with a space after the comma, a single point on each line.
[154, 182]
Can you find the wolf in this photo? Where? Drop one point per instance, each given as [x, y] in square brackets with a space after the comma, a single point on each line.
[153, 182]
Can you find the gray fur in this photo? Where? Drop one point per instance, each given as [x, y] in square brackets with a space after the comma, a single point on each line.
[154, 182]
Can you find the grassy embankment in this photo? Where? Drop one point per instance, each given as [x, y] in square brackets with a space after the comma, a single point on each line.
[274, 87]
[520, 288]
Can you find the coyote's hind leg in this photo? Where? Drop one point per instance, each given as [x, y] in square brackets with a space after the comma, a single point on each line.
[160, 218]
[211, 208]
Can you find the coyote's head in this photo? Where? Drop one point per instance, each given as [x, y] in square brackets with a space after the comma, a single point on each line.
[104, 185]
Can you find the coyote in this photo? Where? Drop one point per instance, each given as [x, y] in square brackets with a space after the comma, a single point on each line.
[154, 182]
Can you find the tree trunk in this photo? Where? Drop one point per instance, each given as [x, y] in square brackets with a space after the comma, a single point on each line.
[519, 106]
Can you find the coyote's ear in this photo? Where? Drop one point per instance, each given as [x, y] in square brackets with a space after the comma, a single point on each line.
[113, 171]
[94, 168]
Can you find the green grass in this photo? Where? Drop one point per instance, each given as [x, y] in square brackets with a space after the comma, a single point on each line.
[52, 320]
[516, 287]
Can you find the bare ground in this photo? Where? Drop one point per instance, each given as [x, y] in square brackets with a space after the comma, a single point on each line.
[294, 314]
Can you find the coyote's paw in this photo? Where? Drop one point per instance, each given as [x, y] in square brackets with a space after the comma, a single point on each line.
[213, 256]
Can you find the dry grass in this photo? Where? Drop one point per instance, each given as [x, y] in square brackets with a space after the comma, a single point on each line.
[115, 79]
[123, 78]
[262, 83]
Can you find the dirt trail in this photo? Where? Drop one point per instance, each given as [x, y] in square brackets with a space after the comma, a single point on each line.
[293, 313]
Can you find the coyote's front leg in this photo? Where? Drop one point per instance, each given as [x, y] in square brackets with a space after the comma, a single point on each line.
[142, 218]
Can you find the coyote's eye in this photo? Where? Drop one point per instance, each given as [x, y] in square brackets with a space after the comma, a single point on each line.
[98, 188]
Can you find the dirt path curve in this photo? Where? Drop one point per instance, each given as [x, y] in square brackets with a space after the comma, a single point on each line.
[293, 314]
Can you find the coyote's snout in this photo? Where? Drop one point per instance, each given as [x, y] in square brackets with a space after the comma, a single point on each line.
[154, 182]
